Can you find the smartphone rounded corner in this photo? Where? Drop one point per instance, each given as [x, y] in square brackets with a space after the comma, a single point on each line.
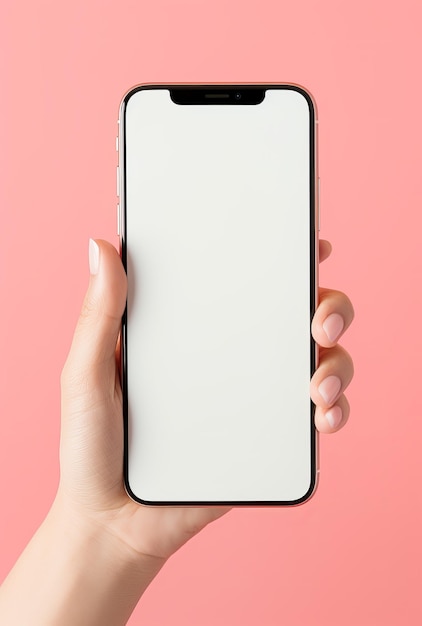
[310, 492]
[127, 96]
[123, 104]
[309, 97]
[314, 478]
[132, 495]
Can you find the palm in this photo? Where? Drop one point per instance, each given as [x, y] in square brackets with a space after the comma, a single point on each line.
[97, 488]
[159, 531]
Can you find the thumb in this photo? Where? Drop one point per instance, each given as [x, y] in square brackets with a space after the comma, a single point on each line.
[91, 424]
[92, 353]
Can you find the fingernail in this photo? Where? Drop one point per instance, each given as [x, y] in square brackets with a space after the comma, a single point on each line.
[333, 416]
[333, 326]
[329, 388]
[94, 256]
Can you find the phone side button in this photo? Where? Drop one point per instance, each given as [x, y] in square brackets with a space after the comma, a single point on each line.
[118, 219]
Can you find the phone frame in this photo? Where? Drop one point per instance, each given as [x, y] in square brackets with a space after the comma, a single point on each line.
[314, 266]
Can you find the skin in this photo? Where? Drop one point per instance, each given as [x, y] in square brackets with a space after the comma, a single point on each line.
[97, 551]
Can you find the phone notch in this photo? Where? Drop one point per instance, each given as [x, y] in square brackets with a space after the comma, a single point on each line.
[208, 94]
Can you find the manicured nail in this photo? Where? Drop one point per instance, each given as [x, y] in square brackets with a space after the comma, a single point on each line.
[333, 416]
[94, 256]
[329, 388]
[333, 326]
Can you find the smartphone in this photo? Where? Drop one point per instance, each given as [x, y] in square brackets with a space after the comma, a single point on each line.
[218, 224]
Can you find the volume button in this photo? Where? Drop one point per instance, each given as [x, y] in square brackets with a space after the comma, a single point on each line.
[118, 181]
[118, 219]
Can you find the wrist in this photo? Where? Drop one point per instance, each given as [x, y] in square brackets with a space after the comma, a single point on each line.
[84, 530]
[101, 566]
[74, 571]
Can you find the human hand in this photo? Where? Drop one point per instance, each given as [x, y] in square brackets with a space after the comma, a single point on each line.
[91, 449]
[97, 550]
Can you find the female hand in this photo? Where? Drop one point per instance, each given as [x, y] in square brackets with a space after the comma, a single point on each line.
[97, 550]
[91, 483]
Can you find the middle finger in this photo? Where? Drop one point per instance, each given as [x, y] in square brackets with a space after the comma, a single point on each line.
[334, 373]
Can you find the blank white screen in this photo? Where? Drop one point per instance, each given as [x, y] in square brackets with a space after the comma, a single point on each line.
[218, 328]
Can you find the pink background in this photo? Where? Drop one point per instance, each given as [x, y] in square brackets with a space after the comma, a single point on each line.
[351, 556]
